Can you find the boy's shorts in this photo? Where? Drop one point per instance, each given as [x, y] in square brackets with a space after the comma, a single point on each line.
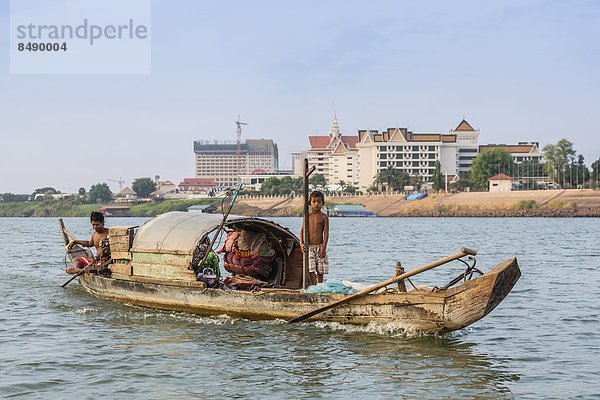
[316, 263]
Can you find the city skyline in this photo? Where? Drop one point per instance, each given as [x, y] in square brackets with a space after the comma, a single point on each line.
[517, 71]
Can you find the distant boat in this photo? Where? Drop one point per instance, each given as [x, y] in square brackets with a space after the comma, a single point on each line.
[155, 268]
[115, 211]
[351, 210]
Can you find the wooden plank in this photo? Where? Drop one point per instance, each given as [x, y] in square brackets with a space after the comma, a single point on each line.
[162, 271]
[120, 255]
[120, 230]
[165, 259]
[119, 239]
[158, 281]
[124, 269]
[116, 249]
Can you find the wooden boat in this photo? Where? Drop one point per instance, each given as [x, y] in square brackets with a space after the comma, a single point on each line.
[153, 268]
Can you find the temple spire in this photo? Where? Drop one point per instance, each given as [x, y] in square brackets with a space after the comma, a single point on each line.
[335, 127]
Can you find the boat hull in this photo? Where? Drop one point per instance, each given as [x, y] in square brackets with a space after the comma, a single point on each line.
[433, 312]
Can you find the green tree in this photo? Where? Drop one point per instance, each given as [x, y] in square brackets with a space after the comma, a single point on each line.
[99, 193]
[463, 182]
[143, 187]
[595, 177]
[46, 191]
[82, 191]
[438, 178]
[557, 159]
[490, 163]
[346, 187]
[289, 185]
[270, 186]
[391, 179]
[13, 198]
[416, 180]
[285, 186]
[317, 181]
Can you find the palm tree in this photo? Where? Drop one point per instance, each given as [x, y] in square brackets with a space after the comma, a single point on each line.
[392, 178]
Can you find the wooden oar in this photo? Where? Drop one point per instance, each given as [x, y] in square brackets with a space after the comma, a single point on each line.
[463, 252]
[104, 264]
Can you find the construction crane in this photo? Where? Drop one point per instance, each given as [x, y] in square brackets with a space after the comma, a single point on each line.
[120, 181]
[238, 142]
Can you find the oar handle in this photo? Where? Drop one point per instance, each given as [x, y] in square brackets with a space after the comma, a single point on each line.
[468, 251]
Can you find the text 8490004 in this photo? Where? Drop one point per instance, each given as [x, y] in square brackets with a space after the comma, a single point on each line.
[42, 46]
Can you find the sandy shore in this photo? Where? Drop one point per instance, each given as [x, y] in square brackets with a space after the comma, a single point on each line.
[538, 203]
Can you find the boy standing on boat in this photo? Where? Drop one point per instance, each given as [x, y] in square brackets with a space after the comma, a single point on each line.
[318, 234]
[100, 233]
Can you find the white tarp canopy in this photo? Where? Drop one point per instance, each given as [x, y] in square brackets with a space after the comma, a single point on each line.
[180, 231]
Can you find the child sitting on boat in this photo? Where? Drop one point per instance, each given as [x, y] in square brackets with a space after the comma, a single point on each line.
[318, 234]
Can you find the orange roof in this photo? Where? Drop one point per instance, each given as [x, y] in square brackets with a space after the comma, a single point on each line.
[350, 141]
[500, 177]
[198, 182]
[424, 137]
[322, 142]
[511, 148]
[464, 126]
[319, 142]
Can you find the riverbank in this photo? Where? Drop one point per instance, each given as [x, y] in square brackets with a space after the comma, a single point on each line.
[71, 208]
[539, 203]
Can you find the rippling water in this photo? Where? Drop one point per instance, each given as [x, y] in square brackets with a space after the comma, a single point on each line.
[542, 341]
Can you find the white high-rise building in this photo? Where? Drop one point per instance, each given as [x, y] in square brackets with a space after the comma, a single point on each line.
[224, 162]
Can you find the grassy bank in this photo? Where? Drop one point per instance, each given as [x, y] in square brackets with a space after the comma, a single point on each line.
[74, 208]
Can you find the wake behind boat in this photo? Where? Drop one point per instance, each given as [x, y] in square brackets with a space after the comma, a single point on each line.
[158, 267]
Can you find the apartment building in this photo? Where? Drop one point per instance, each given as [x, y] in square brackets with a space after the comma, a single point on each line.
[225, 162]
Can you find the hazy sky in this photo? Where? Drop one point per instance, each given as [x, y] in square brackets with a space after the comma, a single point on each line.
[517, 70]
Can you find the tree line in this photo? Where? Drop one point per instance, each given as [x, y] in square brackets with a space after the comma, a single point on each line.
[97, 193]
[562, 165]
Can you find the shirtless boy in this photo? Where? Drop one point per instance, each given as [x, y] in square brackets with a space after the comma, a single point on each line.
[318, 234]
[100, 233]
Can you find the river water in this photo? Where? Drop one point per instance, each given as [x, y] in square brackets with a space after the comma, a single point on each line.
[541, 342]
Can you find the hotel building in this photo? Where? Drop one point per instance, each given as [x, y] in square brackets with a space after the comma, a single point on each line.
[358, 159]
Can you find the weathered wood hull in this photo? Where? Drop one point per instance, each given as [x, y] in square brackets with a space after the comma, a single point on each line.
[436, 312]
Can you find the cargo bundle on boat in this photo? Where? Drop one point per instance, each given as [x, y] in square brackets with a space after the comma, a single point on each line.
[169, 264]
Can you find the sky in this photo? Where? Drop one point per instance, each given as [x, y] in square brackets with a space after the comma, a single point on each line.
[516, 70]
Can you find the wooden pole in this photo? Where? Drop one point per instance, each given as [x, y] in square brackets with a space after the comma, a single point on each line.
[463, 252]
[65, 234]
[305, 235]
[84, 269]
[399, 270]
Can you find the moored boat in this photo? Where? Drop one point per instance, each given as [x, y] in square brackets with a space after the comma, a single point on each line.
[157, 267]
